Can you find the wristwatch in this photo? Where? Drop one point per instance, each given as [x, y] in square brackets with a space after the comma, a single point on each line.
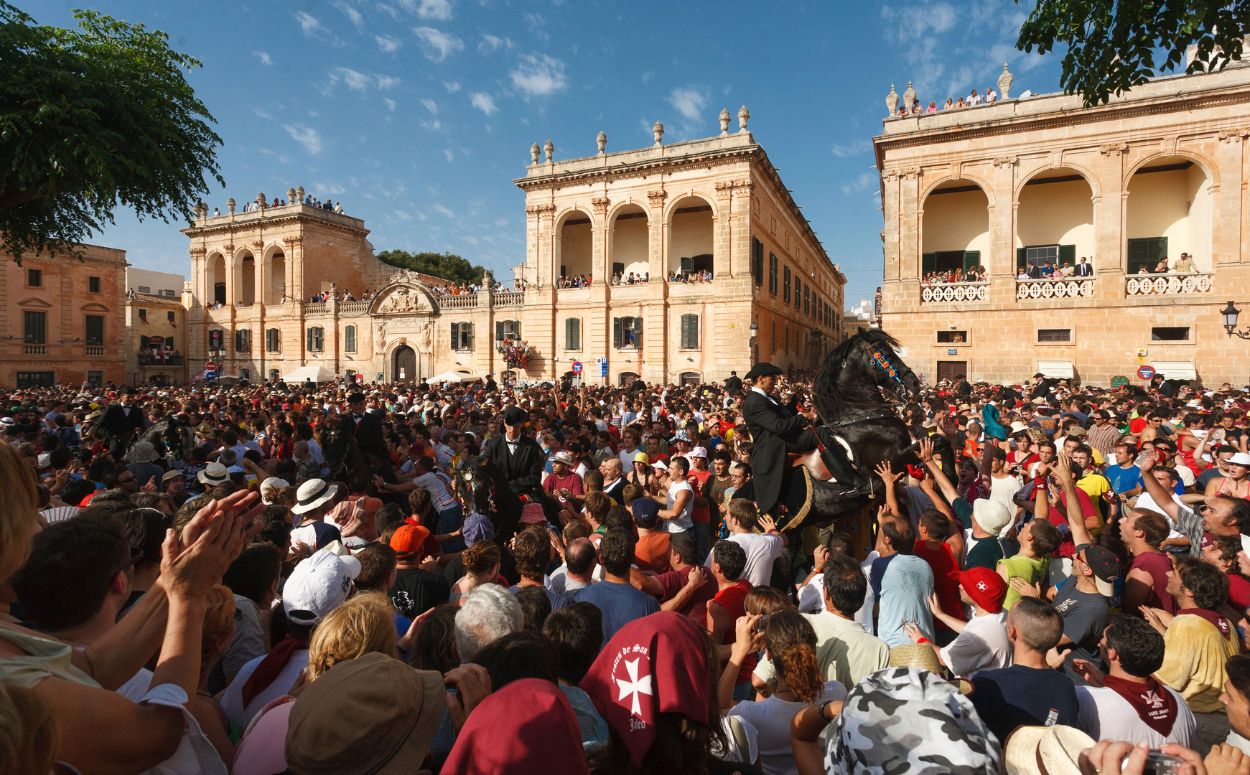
[822, 706]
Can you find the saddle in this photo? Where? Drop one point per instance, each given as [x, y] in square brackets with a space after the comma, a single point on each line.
[813, 461]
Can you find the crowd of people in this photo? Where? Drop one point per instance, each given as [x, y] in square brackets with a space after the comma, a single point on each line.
[574, 281]
[270, 578]
[973, 274]
[697, 276]
[309, 200]
[341, 295]
[989, 97]
[632, 278]
[1183, 265]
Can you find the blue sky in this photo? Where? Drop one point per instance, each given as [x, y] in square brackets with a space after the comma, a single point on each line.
[417, 114]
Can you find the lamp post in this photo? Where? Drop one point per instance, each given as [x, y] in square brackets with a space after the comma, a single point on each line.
[1230, 314]
[755, 329]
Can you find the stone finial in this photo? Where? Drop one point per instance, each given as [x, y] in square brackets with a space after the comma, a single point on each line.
[909, 97]
[534, 151]
[744, 116]
[299, 194]
[891, 101]
[1004, 83]
[290, 195]
[230, 205]
[601, 141]
[548, 149]
[657, 132]
[260, 200]
[724, 122]
[488, 280]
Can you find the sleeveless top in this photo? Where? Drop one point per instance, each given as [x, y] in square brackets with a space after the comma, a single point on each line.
[40, 658]
[1224, 480]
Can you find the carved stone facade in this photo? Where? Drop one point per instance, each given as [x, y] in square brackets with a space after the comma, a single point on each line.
[63, 318]
[1007, 188]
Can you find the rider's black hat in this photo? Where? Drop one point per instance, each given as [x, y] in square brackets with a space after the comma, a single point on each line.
[763, 369]
[356, 398]
[514, 416]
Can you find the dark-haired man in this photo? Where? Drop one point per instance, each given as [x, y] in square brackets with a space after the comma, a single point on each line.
[518, 462]
[902, 584]
[615, 598]
[1127, 702]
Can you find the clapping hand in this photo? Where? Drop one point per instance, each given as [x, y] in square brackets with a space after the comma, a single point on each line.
[1024, 588]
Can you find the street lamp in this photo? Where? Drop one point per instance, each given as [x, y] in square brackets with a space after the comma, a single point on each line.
[755, 329]
[1230, 314]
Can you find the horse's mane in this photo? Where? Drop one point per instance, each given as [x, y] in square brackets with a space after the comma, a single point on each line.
[828, 397]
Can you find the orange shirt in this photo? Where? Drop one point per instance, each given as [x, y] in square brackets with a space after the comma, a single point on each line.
[651, 552]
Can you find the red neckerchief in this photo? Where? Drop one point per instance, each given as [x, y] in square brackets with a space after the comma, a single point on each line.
[269, 668]
[1155, 705]
[1222, 624]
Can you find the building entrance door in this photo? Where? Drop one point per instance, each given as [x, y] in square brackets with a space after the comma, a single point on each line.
[404, 364]
[951, 370]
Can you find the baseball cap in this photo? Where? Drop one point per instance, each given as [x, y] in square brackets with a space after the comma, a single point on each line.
[318, 585]
[991, 515]
[646, 510]
[698, 452]
[392, 712]
[986, 588]
[408, 541]
[1105, 565]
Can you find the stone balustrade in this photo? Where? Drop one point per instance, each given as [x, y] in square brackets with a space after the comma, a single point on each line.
[1167, 284]
[467, 301]
[509, 298]
[948, 293]
[356, 307]
[316, 308]
[1054, 288]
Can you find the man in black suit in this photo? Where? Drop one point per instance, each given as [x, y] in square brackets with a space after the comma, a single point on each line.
[733, 385]
[1084, 269]
[776, 431]
[366, 428]
[122, 422]
[518, 462]
[491, 385]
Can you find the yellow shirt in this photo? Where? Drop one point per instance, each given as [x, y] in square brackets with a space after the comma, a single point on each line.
[1193, 661]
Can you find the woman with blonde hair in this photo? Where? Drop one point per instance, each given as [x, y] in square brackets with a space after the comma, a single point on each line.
[363, 625]
[100, 730]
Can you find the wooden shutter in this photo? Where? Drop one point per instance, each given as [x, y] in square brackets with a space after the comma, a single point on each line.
[1022, 259]
[637, 326]
[1067, 253]
[618, 333]
[466, 329]
[972, 258]
[757, 261]
[499, 332]
[690, 332]
[455, 336]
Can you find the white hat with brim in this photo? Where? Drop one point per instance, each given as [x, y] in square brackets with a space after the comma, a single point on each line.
[213, 475]
[312, 495]
[564, 457]
[1045, 750]
[318, 585]
[1240, 459]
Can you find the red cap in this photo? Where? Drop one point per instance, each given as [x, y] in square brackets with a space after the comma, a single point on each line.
[986, 588]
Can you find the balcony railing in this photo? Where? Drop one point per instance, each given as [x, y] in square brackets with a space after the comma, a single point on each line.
[466, 301]
[95, 350]
[353, 307]
[946, 293]
[169, 360]
[35, 349]
[1054, 288]
[509, 298]
[315, 308]
[1167, 284]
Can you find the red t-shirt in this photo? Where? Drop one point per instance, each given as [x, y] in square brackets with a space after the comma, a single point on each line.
[1158, 565]
[733, 599]
[1059, 518]
[945, 578]
[696, 606]
[1239, 591]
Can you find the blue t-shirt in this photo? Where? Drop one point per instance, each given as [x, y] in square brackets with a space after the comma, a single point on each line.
[619, 603]
[903, 584]
[1023, 696]
[1123, 479]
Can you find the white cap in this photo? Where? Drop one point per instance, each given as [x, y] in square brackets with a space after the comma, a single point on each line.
[698, 452]
[270, 488]
[318, 585]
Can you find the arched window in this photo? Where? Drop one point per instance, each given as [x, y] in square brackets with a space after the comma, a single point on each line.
[689, 332]
[273, 340]
[349, 339]
[316, 339]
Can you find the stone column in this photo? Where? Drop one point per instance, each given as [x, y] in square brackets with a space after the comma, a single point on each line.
[1230, 227]
[231, 268]
[909, 224]
[657, 233]
[1002, 216]
[723, 230]
[1110, 213]
[600, 269]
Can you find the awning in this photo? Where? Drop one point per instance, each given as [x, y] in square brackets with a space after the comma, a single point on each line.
[1176, 369]
[1056, 369]
[452, 376]
[309, 374]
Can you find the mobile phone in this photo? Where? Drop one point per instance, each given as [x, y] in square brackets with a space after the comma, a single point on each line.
[1159, 763]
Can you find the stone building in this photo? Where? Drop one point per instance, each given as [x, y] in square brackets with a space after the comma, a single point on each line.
[721, 256]
[64, 318]
[1023, 188]
[156, 326]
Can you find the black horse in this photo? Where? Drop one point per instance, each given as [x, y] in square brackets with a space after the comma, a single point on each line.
[483, 486]
[855, 394]
[343, 457]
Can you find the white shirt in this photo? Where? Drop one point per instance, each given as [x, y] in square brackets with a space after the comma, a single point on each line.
[812, 601]
[682, 522]
[762, 549]
[1105, 715]
[771, 719]
[983, 645]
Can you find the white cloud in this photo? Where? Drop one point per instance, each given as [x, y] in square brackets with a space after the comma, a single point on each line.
[389, 103]
[538, 75]
[429, 104]
[862, 181]
[537, 24]
[436, 44]
[482, 102]
[327, 188]
[439, 10]
[386, 82]
[309, 23]
[689, 102]
[432, 124]
[387, 44]
[389, 10]
[264, 57]
[305, 136]
[356, 18]
[491, 43]
[443, 210]
[352, 79]
[914, 22]
[451, 86]
[647, 76]
[853, 148]
[449, 155]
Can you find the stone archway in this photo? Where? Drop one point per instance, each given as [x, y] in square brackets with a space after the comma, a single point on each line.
[404, 364]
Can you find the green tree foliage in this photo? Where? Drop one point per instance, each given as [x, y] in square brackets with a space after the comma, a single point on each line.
[91, 119]
[446, 265]
[1112, 45]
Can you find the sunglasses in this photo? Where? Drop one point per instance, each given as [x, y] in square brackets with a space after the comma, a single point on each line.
[136, 556]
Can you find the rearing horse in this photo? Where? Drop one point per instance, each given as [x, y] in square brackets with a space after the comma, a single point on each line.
[850, 397]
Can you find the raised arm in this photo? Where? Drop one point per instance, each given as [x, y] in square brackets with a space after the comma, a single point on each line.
[1158, 493]
[1072, 510]
[939, 476]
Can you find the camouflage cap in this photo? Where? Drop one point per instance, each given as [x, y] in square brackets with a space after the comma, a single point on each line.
[904, 720]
